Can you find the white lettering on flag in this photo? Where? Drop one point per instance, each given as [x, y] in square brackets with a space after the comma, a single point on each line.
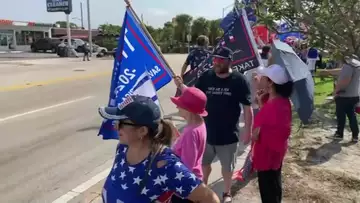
[128, 43]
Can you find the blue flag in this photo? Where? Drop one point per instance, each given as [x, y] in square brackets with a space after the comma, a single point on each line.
[136, 60]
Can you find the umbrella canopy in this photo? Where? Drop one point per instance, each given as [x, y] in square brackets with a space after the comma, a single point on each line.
[303, 94]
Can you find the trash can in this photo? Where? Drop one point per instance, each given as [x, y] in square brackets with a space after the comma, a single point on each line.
[63, 52]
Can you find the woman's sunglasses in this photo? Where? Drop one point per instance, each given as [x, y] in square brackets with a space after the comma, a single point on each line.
[120, 124]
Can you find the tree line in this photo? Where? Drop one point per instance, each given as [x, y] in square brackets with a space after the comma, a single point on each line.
[332, 26]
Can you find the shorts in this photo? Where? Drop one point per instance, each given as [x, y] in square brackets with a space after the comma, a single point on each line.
[227, 155]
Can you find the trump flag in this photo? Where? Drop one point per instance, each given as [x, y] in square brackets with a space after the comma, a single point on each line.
[138, 68]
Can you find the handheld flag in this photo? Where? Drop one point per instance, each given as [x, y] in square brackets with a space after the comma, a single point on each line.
[239, 38]
[137, 61]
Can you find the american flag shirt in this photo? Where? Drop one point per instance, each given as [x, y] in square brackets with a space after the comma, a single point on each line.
[197, 56]
[129, 184]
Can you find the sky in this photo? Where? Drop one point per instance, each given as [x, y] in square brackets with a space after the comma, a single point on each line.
[155, 12]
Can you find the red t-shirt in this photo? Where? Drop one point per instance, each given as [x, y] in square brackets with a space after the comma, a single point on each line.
[274, 121]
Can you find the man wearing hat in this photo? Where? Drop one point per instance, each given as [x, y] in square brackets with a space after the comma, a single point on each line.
[225, 91]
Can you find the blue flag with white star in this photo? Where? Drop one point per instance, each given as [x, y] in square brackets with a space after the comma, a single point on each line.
[137, 61]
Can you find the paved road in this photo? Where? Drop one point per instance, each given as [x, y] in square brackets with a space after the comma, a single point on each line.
[26, 55]
[48, 130]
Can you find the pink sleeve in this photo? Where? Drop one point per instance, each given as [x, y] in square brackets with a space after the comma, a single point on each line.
[189, 150]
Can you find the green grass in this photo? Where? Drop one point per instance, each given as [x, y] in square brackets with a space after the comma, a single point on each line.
[322, 90]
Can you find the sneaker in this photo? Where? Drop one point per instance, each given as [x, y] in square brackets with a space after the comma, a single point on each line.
[338, 137]
[355, 140]
[227, 197]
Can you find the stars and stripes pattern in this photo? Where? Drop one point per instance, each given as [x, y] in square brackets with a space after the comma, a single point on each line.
[197, 56]
[130, 183]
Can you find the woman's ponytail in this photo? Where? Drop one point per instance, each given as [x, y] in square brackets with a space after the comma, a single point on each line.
[166, 133]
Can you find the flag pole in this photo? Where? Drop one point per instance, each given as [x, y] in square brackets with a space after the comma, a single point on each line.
[149, 36]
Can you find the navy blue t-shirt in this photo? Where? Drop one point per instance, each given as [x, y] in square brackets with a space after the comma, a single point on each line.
[197, 56]
[224, 96]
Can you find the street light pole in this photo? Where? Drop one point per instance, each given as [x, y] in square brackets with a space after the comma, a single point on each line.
[68, 33]
[82, 16]
[89, 26]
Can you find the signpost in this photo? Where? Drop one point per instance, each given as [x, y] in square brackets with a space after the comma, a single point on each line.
[62, 6]
[188, 37]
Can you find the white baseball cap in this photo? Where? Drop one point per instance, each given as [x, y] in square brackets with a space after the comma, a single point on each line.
[275, 73]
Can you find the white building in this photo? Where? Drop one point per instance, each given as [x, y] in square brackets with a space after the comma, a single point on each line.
[18, 35]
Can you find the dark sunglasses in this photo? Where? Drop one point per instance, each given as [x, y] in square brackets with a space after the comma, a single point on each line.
[120, 124]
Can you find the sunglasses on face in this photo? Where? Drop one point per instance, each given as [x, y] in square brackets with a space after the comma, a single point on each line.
[219, 60]
[120, 124]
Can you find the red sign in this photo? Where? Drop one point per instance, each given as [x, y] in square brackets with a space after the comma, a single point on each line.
[261, 34]
[6, 22]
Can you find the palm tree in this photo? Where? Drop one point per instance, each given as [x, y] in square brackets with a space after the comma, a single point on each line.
[215, 30]
[200, 26]
[183, 26]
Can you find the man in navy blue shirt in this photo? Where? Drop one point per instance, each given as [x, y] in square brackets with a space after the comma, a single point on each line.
[196, 56]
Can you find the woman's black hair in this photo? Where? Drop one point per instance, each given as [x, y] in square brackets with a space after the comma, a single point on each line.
[264, 52]
[284, 90]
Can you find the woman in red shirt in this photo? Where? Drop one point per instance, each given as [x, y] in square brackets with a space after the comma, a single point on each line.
[272, 128]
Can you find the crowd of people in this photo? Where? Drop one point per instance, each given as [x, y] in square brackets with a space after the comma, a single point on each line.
[156, 163]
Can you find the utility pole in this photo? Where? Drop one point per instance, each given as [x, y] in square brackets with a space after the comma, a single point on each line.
[68, 30]
[89, 26]
[142, 18]
[82, 15]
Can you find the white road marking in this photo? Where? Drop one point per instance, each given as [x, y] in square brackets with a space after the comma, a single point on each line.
[83, 187]
[44, 109]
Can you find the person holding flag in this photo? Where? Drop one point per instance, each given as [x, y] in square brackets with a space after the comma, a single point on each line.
[225, 90]
[198, 55]
[145, 168]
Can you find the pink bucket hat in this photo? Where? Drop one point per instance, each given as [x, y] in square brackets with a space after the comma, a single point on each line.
[193, 100]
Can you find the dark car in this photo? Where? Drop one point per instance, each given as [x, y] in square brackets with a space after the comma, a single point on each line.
[45, 44]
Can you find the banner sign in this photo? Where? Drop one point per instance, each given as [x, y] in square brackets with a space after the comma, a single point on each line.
[59, 6]
[138, 69]
[239, 38]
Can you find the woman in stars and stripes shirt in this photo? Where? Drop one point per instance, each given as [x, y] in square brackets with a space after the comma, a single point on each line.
[145, 169]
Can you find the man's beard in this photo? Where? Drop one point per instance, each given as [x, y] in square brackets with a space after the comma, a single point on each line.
[222, 70]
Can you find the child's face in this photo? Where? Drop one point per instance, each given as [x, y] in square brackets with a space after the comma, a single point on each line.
[183, 113]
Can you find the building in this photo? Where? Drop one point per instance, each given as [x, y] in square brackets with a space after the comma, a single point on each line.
[18, 35]
[75, 33]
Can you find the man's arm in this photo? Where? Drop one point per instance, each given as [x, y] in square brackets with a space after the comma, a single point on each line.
[249, 119]
[186, 64]
[183, 69]
[344, 78]
[245, 100]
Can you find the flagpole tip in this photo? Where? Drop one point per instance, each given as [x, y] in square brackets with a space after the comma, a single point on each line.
[127, 2]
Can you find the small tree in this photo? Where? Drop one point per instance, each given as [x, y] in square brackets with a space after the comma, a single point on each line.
[333, 25]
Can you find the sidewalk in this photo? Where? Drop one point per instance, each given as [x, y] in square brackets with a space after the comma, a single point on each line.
[93, 195]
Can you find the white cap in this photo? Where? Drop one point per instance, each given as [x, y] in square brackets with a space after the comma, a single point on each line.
[275, 73]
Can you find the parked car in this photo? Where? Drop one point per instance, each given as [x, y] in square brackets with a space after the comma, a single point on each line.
[76, 43]
[45, 44]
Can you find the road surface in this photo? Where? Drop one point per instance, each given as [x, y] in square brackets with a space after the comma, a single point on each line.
[49, 123]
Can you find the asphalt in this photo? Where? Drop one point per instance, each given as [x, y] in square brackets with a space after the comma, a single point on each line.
[49, 130]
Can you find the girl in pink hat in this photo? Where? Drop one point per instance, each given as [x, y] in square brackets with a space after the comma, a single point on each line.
[190, 145]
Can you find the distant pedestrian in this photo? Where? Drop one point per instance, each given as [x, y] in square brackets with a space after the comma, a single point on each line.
[145, 169]
[346, 100]
[86, 49]
[272, 128]
[190, 146]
